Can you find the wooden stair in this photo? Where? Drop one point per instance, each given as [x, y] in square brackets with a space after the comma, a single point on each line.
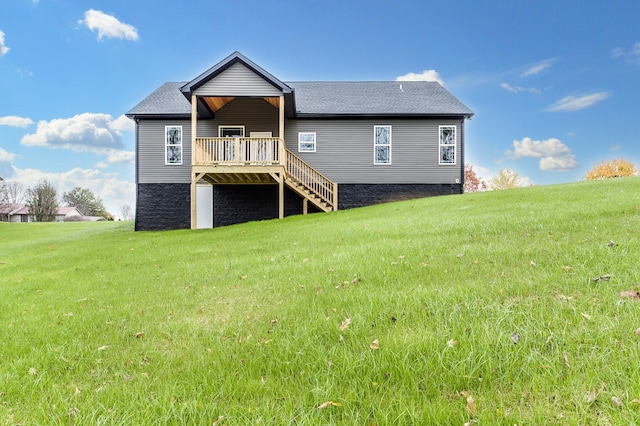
[310, 184]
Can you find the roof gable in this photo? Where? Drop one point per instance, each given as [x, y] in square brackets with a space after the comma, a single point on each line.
[234, 64]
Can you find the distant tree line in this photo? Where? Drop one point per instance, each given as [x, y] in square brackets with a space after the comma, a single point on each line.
[43, 201]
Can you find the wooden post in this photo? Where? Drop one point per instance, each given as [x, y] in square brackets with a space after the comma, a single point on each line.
[281, 196]
[305, 205]
[194, 180]
[281, 129]
[335, 196]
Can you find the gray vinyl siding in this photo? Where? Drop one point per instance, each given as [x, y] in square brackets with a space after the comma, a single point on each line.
[237, 80]
[151, 153]
[344, 150]
[254, 113]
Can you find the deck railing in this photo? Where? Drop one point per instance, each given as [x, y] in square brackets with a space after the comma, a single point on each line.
[312, 180]
[264, 152]
[238, 151]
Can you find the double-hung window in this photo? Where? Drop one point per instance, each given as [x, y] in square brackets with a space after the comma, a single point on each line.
[173, 145]
[381, 144]
[306, 142]
[447, 144]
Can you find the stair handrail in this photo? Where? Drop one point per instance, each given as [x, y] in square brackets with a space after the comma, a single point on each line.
[312, 180]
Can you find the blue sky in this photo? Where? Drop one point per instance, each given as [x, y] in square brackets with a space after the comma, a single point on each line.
[555, 85]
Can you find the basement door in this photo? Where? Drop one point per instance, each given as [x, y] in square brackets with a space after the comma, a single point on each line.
[204, 201]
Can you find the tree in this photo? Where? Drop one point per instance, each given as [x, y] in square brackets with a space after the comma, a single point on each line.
[610, 169]
[125, 211]
[42, 200]
[11, 192]
[85, 201]
[506, 179]
[473, 183]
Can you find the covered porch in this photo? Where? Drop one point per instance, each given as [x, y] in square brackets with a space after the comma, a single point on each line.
[260, 158]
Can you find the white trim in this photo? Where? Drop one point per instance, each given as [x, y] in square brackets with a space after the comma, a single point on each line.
[376, 144]
[315, 140]
[230, 126]
[167, 145]
[454, 145]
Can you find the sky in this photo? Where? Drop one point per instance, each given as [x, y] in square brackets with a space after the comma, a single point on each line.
[554, 85]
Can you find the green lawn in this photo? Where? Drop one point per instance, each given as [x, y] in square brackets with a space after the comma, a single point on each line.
[478, 308]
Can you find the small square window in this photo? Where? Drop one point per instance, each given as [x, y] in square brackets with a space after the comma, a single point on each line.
[307, 142]
[173, 144]
[447, 145]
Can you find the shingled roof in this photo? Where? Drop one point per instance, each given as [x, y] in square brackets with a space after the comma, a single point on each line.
[404, 98]
[316, 99]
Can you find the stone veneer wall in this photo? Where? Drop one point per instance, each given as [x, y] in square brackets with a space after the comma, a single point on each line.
[168, 205]
[361, 195]
[163, 206]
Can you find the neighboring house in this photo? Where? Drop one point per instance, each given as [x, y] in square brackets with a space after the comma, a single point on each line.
[236, 144]
[20, 213]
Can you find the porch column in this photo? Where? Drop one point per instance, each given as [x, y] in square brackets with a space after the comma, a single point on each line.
[281, 196]
[194, 179]
[281, 130]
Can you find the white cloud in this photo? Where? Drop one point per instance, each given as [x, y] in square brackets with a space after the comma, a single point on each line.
[123, 123]
[631, 55]
[6, 156]
[519, 89]
[3, 47]
[24, 73]
[87, 132]
[538, 68]
[576, 103]
[553, 154]
[15, 121]
[108, 26]
[426, 75]
[108, 186]
[507, 86]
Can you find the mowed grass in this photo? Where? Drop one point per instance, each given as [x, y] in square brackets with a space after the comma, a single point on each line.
[478, 308]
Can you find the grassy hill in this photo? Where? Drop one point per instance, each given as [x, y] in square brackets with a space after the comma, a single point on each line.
[493, 308]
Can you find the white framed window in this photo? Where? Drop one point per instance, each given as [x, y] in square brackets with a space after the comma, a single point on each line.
[307, 142]
[381, 144]
[447, 144]
[173, 145]
[231, 131]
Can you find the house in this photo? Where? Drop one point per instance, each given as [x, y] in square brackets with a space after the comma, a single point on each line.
[236, 144]
[20, 213]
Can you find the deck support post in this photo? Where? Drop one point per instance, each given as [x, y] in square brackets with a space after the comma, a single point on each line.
[305, 206]
[281, 196]
[194, 179]
[281, 143]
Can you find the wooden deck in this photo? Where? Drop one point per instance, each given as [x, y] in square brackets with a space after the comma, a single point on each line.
[250, 161]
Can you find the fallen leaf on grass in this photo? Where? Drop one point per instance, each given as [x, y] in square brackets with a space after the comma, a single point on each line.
[102, 348]
[139, 334]
[375, 345]
[611, 243]
[631, 294]
[616, 401]
[635, 402]
[472, 407]
[606, 277]
[328, 404]
[345, 324]
[563, 297]
[585, 315]
[532, 263]
[452, 343]
[592, 397]
[218, 420]
[637, 331]
[33, 371]
[515, 337]
[566, 359]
